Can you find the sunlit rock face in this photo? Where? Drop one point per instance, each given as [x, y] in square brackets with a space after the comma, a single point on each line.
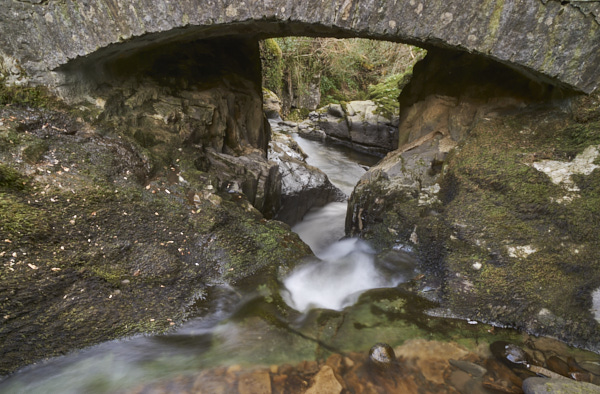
[550, 39]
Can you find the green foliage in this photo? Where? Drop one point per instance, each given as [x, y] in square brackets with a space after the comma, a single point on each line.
[346, 68]
[385, 94]
[298, 114]
[272, 64]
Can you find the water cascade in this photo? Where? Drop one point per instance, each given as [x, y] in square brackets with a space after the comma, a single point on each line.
[346, 267]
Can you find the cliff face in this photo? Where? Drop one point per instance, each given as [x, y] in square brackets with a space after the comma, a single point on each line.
[551, 40]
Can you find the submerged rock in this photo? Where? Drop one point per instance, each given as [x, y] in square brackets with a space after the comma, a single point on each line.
[382, 356]
[510, 354]
[325, 381]
[535, 385]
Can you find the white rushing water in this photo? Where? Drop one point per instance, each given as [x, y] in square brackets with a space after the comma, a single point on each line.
[346, 267]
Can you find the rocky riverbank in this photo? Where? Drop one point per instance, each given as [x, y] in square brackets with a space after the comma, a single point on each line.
[474, 191]
[98, 243]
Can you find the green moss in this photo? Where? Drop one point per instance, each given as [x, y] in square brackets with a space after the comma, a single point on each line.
[34, 152]
[20, 219]
[272, 64]
[385, 94]
[500, 201]
[298, 114]
[20, 95]
[495, 18]
[11, 179]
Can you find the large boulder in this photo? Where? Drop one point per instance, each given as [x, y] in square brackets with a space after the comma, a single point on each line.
[302, 186]
[94, 235]
[358, 124]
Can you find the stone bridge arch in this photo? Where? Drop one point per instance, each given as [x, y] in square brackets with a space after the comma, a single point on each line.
[553, 41]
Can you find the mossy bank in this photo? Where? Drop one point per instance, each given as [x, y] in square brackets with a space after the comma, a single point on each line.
[98, 242]
[501, 241]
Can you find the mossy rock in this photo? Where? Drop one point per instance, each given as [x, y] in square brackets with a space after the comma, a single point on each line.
[11, 179]
[96, 239]
[20, 219]
[385, 94]
[504, 244]
[507, 206]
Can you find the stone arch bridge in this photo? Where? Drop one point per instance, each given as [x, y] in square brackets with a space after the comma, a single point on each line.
[549, 40]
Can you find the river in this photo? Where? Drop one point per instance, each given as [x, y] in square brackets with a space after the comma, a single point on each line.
[345, 304]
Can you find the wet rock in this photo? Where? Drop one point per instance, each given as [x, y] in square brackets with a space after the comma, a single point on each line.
[258, 382]
[382, 356]
[302, 186]
[558, 365]
[473, 209]
[358, 124]
[535, 385]
[459, 380]
[394, 263]
[510, 354]
[115, 230]
[253, 175]
[430, 357]
[336, 362]
[325, 381]
[278, 383]
[500, 378]
[577, 372]
[475, 386]
[469, 367]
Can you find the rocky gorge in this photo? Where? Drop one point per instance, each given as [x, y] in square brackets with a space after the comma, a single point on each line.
[155, 178]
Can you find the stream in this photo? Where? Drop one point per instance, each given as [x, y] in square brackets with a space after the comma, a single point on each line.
[347, 301]
[350, 267]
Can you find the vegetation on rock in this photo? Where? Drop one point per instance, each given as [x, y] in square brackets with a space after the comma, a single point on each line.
[94, 234]
[504, 243]
[346, 69]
